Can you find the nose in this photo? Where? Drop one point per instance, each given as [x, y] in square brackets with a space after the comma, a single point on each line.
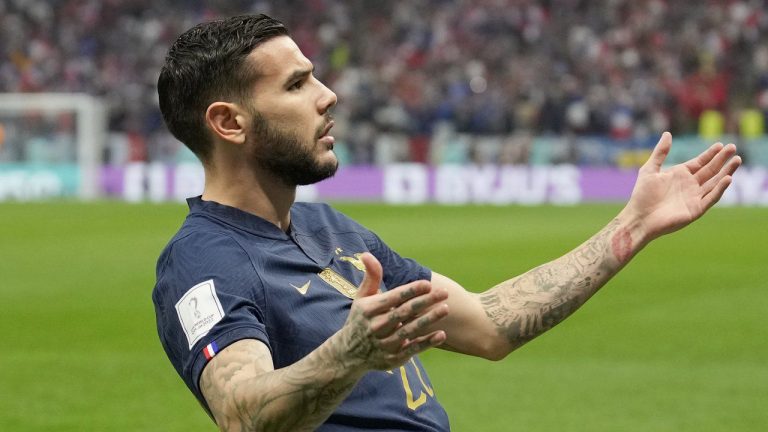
[326, 100]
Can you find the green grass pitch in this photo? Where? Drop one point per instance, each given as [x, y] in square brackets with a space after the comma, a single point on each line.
[676, 342]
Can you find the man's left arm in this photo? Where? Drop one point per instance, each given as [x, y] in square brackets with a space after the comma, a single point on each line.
[494, 323]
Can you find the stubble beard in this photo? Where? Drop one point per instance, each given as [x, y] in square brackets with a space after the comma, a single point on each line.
[283, 154]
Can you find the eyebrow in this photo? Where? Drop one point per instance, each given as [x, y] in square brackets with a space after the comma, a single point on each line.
[299, 73]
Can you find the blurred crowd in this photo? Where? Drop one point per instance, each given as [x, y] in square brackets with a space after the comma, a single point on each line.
[625, 69]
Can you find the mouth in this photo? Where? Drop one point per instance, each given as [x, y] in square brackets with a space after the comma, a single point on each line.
[324, 137]
[327, 128]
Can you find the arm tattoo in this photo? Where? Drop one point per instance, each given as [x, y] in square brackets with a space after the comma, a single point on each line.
[244, 397]
[527, 306]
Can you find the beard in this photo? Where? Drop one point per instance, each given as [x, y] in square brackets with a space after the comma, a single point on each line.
[283, 154]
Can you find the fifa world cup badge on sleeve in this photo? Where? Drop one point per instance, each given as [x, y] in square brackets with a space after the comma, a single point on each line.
[199, 310]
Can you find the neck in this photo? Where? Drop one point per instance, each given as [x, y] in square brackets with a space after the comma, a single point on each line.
[251, 191]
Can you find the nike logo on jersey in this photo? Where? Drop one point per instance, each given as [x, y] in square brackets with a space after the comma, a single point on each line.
[302, 289]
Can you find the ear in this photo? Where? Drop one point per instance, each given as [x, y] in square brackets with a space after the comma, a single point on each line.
[227, 121]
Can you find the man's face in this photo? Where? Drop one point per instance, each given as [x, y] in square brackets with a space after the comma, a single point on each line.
[286, 156]
[290, 116]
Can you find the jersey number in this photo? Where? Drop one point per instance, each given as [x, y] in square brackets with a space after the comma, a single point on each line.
[425, 390]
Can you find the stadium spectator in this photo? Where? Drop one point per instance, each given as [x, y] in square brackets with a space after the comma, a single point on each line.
[620, 68]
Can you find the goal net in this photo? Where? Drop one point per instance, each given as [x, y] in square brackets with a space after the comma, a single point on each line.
[50, 145]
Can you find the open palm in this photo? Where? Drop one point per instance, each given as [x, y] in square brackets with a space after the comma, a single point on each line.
[667, 200]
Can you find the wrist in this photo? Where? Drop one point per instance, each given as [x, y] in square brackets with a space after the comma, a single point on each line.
[631, 235]
[344, 354]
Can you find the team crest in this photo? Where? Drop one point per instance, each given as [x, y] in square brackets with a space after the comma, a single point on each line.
[339, 282]
[355, 261]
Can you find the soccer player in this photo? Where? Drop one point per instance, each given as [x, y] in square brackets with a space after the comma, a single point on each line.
[291, 316]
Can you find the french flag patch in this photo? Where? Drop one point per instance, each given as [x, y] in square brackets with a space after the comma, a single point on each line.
[210, 350]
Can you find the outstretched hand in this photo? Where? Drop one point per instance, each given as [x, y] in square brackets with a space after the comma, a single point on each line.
[384, 330]
[667, 200]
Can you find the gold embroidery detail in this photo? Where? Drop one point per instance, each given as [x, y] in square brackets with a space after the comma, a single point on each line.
[355, 261]
[337, 281]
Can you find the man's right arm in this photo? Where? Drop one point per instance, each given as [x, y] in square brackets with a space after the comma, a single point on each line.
[245, 393]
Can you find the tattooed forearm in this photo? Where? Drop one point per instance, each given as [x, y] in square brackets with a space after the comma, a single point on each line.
[244, 392]
[296, 398]
[621, 245]
[527, 306]
[383, 331]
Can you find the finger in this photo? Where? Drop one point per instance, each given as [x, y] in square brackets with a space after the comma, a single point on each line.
[372, 278]
[416, 346]
[395, 297]
[713, 197]
[393, 318]
[423, 343]
[695, 164]
[414, 307]
[713, 167]
[659, 153]
[416, 325]
[729, 168]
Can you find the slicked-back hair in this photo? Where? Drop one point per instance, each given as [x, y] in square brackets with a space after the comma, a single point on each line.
[207, 64]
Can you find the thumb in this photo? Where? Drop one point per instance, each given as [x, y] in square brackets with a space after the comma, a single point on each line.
[659, 153]
[372, 278]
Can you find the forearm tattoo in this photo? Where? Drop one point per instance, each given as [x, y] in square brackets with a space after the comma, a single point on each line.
[244, 395]
[297, 398]
[524, 307]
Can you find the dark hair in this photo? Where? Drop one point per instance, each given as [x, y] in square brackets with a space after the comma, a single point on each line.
[207, 63]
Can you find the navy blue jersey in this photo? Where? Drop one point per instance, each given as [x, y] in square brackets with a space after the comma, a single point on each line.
[228, 275]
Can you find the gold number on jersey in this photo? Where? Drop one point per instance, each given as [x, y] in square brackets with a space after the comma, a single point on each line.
[425, 390]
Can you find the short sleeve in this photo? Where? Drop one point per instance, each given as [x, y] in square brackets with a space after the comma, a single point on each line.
[397, 270]
[207, 296]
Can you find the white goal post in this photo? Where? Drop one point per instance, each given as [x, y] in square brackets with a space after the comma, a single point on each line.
[90, 128]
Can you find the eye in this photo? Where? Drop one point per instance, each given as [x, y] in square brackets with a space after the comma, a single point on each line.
[296, 86]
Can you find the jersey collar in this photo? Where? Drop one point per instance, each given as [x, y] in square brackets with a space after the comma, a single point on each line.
[234, 216]
[316, 243]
